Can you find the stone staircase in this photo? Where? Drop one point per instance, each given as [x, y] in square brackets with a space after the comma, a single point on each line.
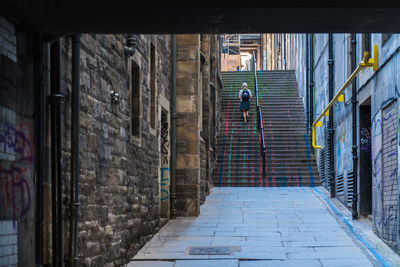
[288, 158]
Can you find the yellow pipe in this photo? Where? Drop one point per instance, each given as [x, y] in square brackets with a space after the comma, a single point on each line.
[313, 138]
[372, 62]
[347, 83]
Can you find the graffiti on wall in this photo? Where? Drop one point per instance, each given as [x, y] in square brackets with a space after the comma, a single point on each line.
[340, 144]
[16, 158]
[365, 137]
[165, 173]
[376, 150]
[14, 190]
[16, 142]
[389, 176]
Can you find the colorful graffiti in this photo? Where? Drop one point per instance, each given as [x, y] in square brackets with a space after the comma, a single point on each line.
[389, 173]
[341, 153]
[384, 214]
[16, 153]
[16, 141]
[165, 173]
[14, 190]
[365, 137]
[376, 150]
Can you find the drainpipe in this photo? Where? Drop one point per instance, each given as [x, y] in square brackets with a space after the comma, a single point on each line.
[355, 214]
[56, 169]
[173, 136]
[331, 170]
[311, 82]
[307, 88]
[72, 260]
[40, 108]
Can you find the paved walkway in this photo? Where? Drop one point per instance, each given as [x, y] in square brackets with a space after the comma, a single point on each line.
[260, 227]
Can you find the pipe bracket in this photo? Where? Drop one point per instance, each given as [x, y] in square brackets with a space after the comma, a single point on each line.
[57, 99]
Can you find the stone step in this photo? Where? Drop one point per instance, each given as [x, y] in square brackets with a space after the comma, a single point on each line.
[287, 182]
[301, 159]
[284, 123]
[268, 171]
[271, 143]
[231, 172]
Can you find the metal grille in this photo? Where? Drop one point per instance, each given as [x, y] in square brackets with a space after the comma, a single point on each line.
[322, 172]
[339, 185]
[329, 161]
[350, 188]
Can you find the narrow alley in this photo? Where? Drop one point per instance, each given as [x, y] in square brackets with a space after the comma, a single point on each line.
[215, 137]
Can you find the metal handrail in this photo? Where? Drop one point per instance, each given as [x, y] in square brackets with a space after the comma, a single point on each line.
[339, 97]
[260, 125]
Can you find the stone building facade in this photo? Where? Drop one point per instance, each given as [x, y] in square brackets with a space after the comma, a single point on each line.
[197, 114]
[377, 122]
[120, 184]
[125, 133]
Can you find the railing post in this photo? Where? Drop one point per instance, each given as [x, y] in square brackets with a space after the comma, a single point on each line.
[260, 127]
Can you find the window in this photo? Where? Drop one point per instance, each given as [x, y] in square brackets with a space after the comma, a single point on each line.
[135, 99]
[153, 87]
[365, 44]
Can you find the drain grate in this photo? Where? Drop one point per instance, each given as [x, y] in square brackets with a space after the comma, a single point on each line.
[209, 251]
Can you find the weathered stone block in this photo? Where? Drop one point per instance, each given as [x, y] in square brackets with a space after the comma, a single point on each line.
[187, 161]
[188, 39]
[187, 104]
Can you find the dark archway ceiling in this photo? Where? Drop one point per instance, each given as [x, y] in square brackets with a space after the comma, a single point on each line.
[289, 16]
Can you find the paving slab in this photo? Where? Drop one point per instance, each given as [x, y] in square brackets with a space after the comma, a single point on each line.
[266, 227]
[276, 263]
[207, 263]
[151, 264]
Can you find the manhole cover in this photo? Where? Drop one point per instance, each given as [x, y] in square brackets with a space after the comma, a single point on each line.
[209, 250]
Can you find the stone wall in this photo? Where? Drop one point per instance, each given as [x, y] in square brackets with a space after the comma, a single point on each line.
[124, 145]
[188, 125]
[198, 111]
[119, 174]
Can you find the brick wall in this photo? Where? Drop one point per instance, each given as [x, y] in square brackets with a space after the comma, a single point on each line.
[8, 244]
[390, 184]
[8, 39]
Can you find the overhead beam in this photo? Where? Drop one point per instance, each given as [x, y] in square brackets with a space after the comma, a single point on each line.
[100, 18]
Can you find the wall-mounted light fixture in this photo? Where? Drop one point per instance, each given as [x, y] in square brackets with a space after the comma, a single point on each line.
[131, 44]
[115, 97]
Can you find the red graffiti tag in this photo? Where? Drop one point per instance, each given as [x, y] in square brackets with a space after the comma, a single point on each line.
[14, 190]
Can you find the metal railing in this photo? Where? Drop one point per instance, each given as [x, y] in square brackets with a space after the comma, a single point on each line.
[260, 125]
[339, 97]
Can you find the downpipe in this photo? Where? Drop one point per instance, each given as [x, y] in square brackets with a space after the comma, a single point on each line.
[331, 170]
[56, 146]
[355, 213]
[311, 82]
[40, 117]
[307, 88]
[72, 260]
[173, 130]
